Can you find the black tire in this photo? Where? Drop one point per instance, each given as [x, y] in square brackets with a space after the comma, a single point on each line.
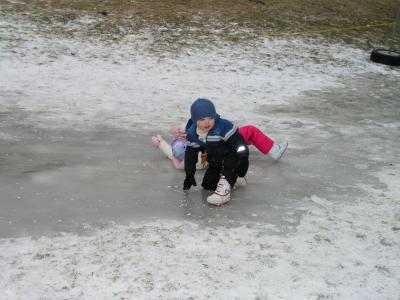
[385, 56]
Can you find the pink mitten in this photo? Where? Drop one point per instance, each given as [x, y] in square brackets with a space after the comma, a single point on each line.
[156, 140]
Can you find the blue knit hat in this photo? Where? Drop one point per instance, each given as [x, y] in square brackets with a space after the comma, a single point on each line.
[202, 108]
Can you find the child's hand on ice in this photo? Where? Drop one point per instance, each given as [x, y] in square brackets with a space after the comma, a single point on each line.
[156, 140]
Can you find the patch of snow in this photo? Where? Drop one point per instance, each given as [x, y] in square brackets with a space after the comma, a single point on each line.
[83, 83]
[341, 251]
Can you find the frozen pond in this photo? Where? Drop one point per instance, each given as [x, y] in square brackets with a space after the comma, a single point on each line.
[86, 199]
[62, 180]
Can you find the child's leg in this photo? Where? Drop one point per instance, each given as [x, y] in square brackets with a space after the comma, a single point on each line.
[230, 163]
[211, 178]
[254, 136]
[164, 147]
[225, 181]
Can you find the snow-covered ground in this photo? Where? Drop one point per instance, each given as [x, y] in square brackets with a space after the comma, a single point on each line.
[324, 223]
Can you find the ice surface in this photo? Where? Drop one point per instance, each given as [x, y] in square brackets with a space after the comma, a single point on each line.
[89, 209]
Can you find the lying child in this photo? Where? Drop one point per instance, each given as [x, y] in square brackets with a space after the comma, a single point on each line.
[251, 134]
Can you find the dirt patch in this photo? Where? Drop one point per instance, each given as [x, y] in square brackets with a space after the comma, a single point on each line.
[179, 23]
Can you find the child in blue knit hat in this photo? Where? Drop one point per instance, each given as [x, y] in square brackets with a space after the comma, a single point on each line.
[227, 151]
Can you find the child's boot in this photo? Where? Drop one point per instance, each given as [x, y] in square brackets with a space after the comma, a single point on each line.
[222, 194]
[277, 150]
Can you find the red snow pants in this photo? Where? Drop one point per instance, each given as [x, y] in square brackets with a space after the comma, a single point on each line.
[254, 136]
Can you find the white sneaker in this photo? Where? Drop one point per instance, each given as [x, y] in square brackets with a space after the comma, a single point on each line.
[241, 182]
[277, 150]
[222, 194]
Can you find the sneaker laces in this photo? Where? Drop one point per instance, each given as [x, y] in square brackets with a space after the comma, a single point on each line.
[223, 187]
[277, 150]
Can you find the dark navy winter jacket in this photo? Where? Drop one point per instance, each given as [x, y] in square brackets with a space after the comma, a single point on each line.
[221, 140]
